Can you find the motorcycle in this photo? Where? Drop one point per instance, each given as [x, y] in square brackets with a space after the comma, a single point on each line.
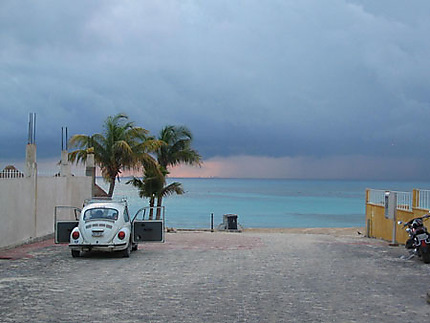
[419, 238]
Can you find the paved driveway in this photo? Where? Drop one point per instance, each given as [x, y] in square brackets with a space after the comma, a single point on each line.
[220, 277]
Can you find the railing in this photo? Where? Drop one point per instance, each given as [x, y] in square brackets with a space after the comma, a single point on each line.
[6, 173]
[404, 199]
[423, 199]
[10, 173]
[377, 197]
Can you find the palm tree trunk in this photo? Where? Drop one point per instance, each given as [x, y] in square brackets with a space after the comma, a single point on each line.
[151, 205]
[111, 187]
[159, 203]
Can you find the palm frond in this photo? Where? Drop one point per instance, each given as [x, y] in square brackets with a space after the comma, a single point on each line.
[177, 147]
[173, 188]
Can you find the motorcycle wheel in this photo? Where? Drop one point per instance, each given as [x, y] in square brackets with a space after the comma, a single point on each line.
[409, 244]
[426, 257]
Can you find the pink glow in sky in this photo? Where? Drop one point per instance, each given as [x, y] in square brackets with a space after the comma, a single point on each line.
[335, 167]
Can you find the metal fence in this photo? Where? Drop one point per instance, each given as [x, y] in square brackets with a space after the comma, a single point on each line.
[423, 199]
[376, 197]
[404, 199]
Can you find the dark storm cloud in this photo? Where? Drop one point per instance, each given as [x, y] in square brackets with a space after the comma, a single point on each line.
[274, 78]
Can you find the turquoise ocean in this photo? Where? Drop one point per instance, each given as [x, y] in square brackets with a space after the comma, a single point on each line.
[266, 203]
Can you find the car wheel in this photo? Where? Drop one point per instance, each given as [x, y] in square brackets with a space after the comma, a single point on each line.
[76, 253]
[126, 252]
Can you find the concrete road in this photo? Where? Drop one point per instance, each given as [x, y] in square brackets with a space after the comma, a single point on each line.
[219, 277]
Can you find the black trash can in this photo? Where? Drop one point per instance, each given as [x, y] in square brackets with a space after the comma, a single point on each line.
[230, 221]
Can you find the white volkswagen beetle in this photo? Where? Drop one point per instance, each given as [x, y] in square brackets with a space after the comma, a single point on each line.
[106, 225]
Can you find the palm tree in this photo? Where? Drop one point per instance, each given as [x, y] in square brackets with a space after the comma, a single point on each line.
[149, 186]
[122, 145]
[175, 149]
[153, 185]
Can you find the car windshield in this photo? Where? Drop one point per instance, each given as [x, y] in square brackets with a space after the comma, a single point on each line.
[101, 214]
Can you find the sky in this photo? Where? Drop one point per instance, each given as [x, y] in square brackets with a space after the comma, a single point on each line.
[270, 89]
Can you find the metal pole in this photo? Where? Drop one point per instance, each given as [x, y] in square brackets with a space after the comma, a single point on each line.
[212, 222]
[29, 130]
[394, 242]
[34, 128]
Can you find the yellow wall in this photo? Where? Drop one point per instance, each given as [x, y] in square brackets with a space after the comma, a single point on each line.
[377, 226]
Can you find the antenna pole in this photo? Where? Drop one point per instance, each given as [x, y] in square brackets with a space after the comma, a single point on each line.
[64, 138]
[32, 128]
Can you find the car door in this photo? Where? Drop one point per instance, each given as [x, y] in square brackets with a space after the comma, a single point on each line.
[147, 229]
[66, 218]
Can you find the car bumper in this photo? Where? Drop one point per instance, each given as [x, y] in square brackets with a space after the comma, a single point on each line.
[98, 247]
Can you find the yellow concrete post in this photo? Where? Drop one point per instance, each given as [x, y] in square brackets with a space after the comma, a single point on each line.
[368, 221]
[415, 198]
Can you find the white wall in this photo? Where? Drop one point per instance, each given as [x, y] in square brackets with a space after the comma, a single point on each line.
[17, 216]
[27, 205]
[53, 191]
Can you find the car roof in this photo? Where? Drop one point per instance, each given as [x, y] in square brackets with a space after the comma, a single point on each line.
[116, 204]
